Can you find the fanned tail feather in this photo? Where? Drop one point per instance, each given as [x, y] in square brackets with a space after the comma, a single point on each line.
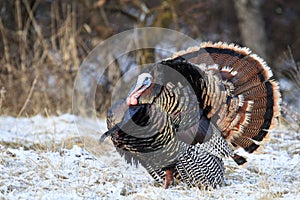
[247, 76]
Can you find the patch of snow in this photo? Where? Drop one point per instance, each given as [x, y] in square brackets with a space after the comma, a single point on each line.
[37, 130]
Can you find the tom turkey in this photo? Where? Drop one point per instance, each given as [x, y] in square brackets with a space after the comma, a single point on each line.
[185, 114]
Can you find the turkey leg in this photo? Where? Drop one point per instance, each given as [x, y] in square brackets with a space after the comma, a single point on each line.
[169, 179]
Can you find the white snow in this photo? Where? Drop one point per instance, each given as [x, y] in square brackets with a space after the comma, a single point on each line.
[51, 158]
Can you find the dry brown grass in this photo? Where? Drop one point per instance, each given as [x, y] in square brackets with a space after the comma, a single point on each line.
[38, 70]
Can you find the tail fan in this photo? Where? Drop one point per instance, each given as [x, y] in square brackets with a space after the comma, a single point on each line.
[253, 107]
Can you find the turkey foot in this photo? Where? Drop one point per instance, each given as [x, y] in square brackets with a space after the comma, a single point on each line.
[169, 180]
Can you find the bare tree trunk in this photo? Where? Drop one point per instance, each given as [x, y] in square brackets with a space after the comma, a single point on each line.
[252, 25]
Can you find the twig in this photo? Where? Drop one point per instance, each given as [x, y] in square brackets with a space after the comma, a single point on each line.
[28, 97]
[6, 47]
[21, 36]
[2, 97]
[295, 71]
[293, 59]
[104, 16]
[37, 28]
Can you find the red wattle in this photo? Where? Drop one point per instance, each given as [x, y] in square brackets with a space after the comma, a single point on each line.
[131, 101]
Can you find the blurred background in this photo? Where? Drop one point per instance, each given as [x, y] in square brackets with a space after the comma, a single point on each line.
[43, 43]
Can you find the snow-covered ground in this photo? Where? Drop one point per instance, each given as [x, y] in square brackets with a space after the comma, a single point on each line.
[45, 158]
